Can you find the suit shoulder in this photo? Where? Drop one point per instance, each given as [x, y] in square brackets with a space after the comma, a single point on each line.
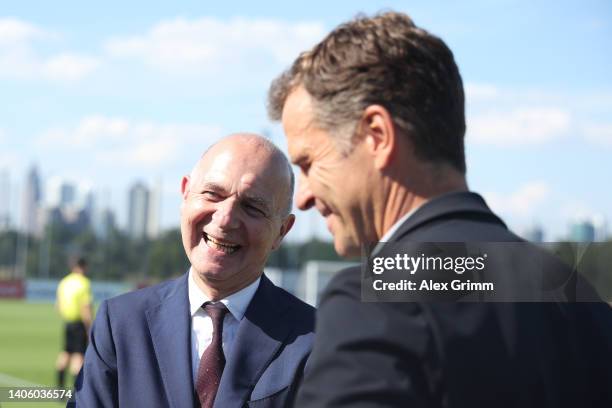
[296, 313]
[464, 228]
[298, 308]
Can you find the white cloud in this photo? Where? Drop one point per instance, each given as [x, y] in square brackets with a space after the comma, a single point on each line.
[17, 60]
[532, 116]
[69, 67]
[600, 134]
[225, 48]
[519, 126]
[21, 56]
[522, 202]
[121, 141]
[89, 131]
[209, 43]
[14, 31]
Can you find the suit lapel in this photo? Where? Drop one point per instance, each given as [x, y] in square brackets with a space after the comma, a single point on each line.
[260, 335]
[169, 324]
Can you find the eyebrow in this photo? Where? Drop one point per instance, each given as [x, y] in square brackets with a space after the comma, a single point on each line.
[217, 188]
[260, 201]
[254, 199]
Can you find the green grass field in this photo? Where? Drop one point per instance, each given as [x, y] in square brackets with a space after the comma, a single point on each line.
[30, 339]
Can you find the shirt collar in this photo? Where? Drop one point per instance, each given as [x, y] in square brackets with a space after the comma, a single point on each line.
[236, 303]
[392, 230]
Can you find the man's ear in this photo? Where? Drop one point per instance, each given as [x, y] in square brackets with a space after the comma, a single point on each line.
[185, 187]
[284, 229]
[378, 134]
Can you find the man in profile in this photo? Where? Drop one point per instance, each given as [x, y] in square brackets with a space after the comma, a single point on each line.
[222, 333]
[374, 118]
[74, 303]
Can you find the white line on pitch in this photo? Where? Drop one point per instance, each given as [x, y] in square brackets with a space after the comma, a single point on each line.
[9, 380]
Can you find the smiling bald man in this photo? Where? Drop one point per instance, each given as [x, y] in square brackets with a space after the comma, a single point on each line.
[221, 335]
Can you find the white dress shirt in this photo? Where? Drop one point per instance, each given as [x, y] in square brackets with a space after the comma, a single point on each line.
[392, 230]
[201, 323]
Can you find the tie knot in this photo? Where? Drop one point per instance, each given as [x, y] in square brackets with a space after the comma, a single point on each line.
[216, 311]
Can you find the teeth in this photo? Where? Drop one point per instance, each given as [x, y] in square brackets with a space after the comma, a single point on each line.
[218, 245]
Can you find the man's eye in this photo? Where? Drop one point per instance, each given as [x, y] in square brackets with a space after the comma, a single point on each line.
[254, 210]
[211, 195]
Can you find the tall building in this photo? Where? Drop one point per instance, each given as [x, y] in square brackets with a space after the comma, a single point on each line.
[104, 223]
[30, 205]
[101, 215]
[154, 211]
[601, 228]
[67, 195]
[582, 231]
[5, 200]
[138, 211]
[90, 204]
[534, 234]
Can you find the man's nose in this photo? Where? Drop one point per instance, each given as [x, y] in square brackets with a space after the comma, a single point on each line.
[305, 199]
[226, 214]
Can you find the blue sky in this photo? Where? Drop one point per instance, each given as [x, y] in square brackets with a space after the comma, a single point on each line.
[106, 94]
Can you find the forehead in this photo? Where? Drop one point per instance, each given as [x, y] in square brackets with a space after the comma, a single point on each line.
[298, 123]
[239, 168]
[306, 140]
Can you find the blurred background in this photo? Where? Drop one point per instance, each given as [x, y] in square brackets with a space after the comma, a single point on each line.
[106, 106]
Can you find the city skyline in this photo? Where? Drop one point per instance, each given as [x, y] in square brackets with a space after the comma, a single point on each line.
[143, 202]
[103, 99]
[36, 206]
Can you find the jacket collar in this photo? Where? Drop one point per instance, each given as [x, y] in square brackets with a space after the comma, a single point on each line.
[446, 205]
[170, 327]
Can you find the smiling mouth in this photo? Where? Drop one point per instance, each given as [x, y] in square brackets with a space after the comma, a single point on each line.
[219, 245]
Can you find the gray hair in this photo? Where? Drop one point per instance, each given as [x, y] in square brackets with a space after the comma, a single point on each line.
[388, 61]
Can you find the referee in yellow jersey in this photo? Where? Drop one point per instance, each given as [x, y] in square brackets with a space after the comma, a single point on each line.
[74, 303]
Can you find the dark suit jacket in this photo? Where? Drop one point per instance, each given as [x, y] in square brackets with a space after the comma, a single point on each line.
[140, 351]
[451, 354]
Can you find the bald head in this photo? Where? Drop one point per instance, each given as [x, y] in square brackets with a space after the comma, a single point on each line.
[253, 147]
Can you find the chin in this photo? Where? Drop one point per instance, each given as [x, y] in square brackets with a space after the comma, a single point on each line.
[346, 249]
[213, 276]
[206, 270]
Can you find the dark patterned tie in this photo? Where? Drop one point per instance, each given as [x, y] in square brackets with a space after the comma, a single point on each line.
[213, 360]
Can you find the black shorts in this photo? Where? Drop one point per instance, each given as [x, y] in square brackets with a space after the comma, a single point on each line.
[75, 337]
